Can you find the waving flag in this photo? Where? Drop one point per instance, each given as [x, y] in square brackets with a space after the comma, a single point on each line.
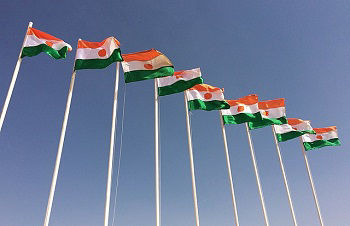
[273, 112]
[324, 137]
[37, 41]
[242, 110]
[179, 82]
[97, 55]
[206, 97]
[294, 128]
[144, 65]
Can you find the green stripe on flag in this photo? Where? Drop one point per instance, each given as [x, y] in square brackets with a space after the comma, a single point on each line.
[281, 137]
[207, 105]
[98, 63]
[321, 143]
[179, 86]
[139, 75]
[241, 118]
[267, 122]
[35, 50]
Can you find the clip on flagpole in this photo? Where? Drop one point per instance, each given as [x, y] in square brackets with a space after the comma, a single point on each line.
[60, 148]
[190, 152]
[257, 175]
[156, 151]
[284, 176]
[111, 147]
[229, 170]
[13, 81]
[311, 183]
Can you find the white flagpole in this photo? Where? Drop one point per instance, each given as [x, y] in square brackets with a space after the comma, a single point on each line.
[311, 183]
[59, 152]
[60, 148]
[13, 81]
[156, 151]
[229, 170]
[111, 147]
[284, 176]
[257, 175]
[190, 152]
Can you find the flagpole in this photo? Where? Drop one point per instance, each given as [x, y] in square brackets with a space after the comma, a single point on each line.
[229, 170]
[59, 152]
[156, 152]
[311, 183]
[111, 147]
[190, 152]
[60, 148]
[13, 81]
[257, 175]
[284, 176]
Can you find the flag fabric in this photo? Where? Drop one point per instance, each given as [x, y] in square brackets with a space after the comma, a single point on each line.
[206, 97]
[242, 110]
[273, 112]
[324, 137]
[294, 128]
[179, 82]
[37, 41]
[144, 65]
[97, 55]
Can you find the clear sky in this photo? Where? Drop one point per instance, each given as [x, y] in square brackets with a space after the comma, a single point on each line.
[298, 50]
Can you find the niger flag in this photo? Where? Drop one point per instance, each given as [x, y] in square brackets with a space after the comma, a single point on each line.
[97, 55]
[242, 110]
[324, 137]
[37, 41]
[206, 97]
[144, 65]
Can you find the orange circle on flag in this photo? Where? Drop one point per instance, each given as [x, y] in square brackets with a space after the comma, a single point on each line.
[49, 43]
[319, 137]
[102, 53]
[148, 66]
[266, 113]
[294, 128]
[240, 108]
[208, 96]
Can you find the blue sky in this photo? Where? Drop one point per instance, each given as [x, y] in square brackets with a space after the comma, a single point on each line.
[298, 50]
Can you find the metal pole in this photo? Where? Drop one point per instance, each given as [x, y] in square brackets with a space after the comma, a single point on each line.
[257, 175]
[59, 152]
[111, 147]
[190, 152]
[312, 183]
[229, 170]
[13, 81]
[156, 151]
[284, 176]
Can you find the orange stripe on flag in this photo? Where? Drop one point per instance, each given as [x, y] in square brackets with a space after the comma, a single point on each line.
[247, 100]
[205, 88]
[294, 121]
[268, 104]
[94, 45]
[325, 130]
[142, 56]
[178, 72]
[41, 35]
